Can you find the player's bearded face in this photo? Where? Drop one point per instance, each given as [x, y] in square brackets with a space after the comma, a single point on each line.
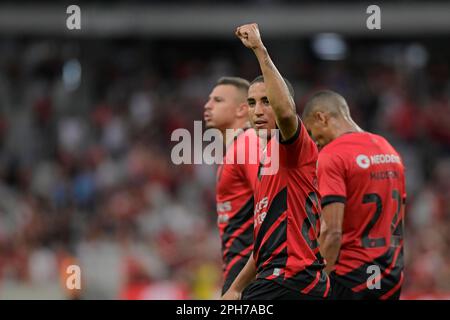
[220, 109]
[261, 115]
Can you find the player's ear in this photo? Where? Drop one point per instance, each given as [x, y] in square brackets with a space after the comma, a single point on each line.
[321, 117]
[242, 110]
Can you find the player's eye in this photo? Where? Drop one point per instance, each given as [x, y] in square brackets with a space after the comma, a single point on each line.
[217, 99]
[251, 102]
[265, 101]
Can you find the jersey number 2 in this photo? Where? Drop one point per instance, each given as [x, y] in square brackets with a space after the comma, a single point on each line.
[368, 242]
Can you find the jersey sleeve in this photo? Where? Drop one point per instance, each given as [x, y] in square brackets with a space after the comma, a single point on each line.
[298, 150]
[331, 178]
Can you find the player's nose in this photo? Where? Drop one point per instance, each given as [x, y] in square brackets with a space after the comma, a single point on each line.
[259, 109]
[208, 105]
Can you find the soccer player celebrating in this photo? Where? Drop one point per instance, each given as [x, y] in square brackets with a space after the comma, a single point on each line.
[286, 262]
[225, 109]
[362, 184]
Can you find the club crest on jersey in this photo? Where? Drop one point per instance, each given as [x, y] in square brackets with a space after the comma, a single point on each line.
[363, 161]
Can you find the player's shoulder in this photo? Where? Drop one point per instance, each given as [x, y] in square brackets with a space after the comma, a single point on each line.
[353, 140]
[357, 146]
[376, 138]
[378, 144]
[329, 158]
[340, 144]
[345, 147]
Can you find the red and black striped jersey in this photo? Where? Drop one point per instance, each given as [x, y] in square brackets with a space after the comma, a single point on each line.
[234, 196]
[287, 216]
[366, 173]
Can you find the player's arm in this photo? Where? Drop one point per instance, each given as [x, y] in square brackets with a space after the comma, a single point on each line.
[331, 233]
[244, 278]
[277, 91]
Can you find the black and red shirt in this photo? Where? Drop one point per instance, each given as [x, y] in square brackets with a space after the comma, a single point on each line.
[234, 197]
[287, 216]
[366, 173]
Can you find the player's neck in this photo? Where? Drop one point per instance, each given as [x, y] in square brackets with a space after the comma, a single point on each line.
[347, 127]
[231, 133]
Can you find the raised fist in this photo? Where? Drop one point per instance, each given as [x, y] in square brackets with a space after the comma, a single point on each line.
[249, 35]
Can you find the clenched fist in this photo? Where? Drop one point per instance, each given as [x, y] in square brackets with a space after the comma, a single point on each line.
[249, 35]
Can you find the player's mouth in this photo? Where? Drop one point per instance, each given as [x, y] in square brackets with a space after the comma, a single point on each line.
[259, 124]
[207, 116]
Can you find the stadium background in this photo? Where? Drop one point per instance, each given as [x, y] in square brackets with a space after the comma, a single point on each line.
[86, 118]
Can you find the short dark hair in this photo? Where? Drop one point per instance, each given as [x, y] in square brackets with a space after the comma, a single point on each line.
[331, 100]
[288, 84]
[239, 83]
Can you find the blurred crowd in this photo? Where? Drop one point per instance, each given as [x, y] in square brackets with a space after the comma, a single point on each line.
[86, 176]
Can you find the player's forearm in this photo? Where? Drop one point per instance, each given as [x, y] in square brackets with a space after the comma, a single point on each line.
[330, 244]
[246, 276]
[277, 91]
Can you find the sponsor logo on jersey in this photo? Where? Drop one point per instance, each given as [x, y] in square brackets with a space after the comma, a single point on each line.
[260, 213]
[365, 161]
[223, 218]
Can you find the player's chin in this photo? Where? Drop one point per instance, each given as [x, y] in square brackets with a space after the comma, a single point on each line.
[263, 132]
[209, 123]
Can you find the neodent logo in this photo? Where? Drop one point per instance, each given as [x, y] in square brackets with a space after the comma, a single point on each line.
[364, 161]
